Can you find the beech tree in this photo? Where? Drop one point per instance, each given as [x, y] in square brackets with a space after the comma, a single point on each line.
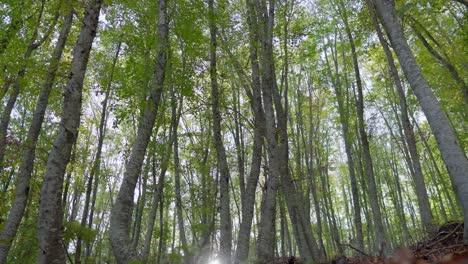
[50, 210]
[122, 210]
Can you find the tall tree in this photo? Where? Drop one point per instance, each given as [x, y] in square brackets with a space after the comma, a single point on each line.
[50, 212]
[242, 251]
[176, 108]
[265, 244]
[121, 215]
[225, 211]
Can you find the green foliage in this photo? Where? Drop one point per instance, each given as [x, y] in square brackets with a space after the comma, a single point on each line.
[73, 230]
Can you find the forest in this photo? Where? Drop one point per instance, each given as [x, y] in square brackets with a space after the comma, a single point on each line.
[233, 131]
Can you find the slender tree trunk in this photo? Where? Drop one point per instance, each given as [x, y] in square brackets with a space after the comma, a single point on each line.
[136, 232]
[421, 192]
[225, 214]
[162, 228]
[243, 240]
[97, 160]
[67, 181]
[266, 233]
[34, 44]
[157, 194]
[50, 210]
[348, 148]
[239, 142]
[179, 206]
[121, 214]
[376, 212]
[29, 153]
[309, 152]
[452, 153]
[433, 161]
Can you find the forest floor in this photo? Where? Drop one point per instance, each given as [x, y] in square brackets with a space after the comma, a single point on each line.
[446, 247]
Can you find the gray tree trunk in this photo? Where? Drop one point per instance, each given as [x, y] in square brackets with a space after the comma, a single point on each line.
[24, 175]
[121, 214]
[50, 211]
[179, 207]
[266, 230]
[225, 214]
[452, 153]
[243, 239]
[157, 194]
[277, 148]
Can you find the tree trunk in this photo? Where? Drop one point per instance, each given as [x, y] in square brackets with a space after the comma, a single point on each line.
[179, 207]
[121, 214]
[452, 153]
[348, 148]
[50, 211]
[225, 214]
[243, 240]
[29, 153]
[157, 194]
[266, 233]
[377, 217]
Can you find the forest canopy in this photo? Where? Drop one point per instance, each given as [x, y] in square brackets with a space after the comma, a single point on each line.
[230, 131]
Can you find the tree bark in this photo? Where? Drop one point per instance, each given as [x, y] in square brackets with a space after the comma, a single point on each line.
[50, 211]
[266, 233]
[452, 153]
[121, 214]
